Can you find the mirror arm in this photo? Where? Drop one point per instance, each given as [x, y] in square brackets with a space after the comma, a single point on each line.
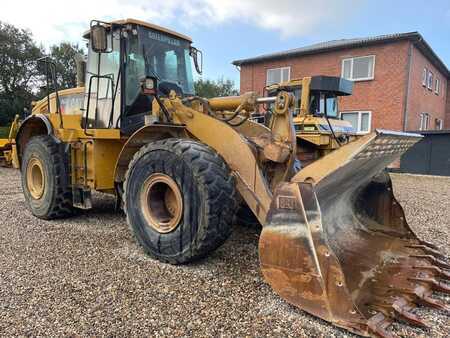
[194, 52]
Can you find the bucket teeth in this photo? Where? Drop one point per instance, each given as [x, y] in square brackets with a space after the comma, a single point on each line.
[434, 260]
[378, 324]
[403, 309]
[439, 272]
[444, 275]
[428, 244]
[424, 298]
[428, 250]
[435, 285]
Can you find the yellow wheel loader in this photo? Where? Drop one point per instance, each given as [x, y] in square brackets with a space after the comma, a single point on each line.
[315, 115]
[7, 145]
[334, 240]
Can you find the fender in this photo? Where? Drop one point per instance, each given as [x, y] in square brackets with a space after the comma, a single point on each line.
[140, 138]
[33, 125]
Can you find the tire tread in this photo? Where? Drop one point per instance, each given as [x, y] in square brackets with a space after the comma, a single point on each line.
[62, 205]
[215, 177]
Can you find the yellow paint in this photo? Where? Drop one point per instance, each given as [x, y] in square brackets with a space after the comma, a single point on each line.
[326, 165]
[93, 162]
[7, 146]
[250, 180]
[225, 103]
[304, 104]
[41, 106]
[99, 147]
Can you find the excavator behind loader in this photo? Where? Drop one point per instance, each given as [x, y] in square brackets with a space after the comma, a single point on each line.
[335, 241]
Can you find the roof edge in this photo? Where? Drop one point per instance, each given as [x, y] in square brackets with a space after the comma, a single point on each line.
[145, 24]
[426, 49]
[415, 37]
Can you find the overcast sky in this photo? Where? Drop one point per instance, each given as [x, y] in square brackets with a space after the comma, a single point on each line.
[227, 30]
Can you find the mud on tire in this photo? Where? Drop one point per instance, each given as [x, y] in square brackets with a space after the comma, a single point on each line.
[207, 192]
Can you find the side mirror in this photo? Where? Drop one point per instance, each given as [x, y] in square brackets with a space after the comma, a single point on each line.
[197, 55]
[99, 38]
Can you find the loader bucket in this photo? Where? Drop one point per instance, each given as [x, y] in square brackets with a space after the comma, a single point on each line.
[337, 244]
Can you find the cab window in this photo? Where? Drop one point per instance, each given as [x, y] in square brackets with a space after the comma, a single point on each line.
[322, 103]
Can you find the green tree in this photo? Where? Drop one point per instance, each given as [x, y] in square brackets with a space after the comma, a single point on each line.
[18, 52]
[64, 57]
[211, 88]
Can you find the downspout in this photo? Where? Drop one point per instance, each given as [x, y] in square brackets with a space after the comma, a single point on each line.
[253, 77]
[408, 79]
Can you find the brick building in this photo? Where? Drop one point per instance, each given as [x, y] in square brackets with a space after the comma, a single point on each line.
[399, 82]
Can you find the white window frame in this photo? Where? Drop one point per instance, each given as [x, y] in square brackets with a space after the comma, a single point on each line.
[360, 112]
[424, 121]
[425, 77]
[351, 68]
[437, 85]
[439, 124]
[430, 80]
[281, 71]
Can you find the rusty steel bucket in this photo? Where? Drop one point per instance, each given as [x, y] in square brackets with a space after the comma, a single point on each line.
[338, 246]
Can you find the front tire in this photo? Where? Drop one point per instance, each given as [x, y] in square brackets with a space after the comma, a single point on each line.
[45, 179]
[179, 199]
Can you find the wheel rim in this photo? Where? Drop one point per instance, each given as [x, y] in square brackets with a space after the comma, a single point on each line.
[162, 203]
[35, 178]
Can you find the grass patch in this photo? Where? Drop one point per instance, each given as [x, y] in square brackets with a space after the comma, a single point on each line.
[4, 132]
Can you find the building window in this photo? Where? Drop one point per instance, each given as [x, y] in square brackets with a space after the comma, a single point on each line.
[436, 87]
[361, 120]
[359, 68]
[278, 75]
[439, 124]
[424, 77]
[424, 120]
[430, 81]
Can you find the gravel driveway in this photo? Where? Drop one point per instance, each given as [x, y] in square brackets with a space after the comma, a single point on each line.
[85, 276]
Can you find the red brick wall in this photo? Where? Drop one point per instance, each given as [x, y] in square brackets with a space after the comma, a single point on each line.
[384, 96]
[421, 99]
[447, 114]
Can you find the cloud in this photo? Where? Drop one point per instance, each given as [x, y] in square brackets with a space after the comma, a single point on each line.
[289, 17]
[51, 24]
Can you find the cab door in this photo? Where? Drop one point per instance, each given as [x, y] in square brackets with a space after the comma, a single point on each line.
[102, 104]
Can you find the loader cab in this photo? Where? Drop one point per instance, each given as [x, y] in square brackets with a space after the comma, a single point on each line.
[317, 103]
[122, 56]
[322, 93]
[323, 103]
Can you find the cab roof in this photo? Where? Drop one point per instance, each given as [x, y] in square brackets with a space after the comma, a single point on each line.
[147, 25]
[337, 85]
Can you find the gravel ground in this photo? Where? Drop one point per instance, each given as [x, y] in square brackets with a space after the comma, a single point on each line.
[85, 276]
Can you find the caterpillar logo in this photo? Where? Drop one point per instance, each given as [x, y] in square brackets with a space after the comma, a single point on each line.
[164, 38]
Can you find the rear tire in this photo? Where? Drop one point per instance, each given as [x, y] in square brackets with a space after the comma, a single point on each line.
[45, 179]
[179, 199]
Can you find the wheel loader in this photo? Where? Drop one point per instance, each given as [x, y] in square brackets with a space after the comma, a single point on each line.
[6, 145]
[334, 239]
[315, 113]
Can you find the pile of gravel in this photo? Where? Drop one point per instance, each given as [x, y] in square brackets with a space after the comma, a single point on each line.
[86, 276]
